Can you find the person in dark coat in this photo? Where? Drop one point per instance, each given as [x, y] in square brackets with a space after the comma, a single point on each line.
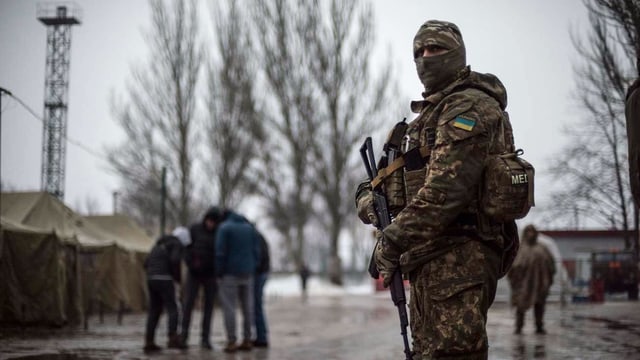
[162, 266]
[237, 256]
[200, 261]
[304, 275]
[262, 274]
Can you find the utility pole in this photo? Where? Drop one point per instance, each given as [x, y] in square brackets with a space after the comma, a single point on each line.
[163, 196]
[2, 91]
[115, 202]
[58, 18]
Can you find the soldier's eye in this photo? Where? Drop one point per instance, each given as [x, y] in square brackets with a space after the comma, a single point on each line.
[435, 48]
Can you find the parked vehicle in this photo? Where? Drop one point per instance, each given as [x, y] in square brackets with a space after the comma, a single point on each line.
[618, 269]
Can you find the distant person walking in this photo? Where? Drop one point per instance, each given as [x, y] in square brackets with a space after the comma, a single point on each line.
[200, 261]
[162, 266]
[304, 276]
[237, 256]
[530, 278]
[262, 274]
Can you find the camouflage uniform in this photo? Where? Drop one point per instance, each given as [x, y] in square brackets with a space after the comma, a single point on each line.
[440, 240]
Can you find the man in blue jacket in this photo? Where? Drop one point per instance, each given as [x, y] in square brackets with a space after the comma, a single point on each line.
[237, 256]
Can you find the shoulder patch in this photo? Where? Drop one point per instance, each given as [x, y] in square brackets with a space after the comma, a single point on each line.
[464, 123]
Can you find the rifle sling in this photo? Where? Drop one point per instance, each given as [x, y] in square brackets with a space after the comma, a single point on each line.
[397, 164]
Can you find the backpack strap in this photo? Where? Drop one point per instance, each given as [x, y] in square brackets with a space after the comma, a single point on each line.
[398, 163]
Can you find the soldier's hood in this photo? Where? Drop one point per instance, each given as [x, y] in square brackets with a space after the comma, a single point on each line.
[487, 83]
[490, 84]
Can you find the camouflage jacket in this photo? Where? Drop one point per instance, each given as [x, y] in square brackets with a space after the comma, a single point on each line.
[467, 118]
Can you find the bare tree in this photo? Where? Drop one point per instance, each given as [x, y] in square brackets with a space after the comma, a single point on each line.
[234, 129]
[158, 117]
[320, 95]
[285, 177]
[339, 39]
[593, 167]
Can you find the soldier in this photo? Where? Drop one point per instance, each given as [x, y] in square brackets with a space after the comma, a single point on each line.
[530, 278]
[439, 238]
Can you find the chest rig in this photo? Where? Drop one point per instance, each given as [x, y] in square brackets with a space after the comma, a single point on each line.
[404, 163]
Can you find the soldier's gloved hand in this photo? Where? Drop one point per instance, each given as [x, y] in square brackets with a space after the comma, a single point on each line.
[387, 257]
[364, 204]
[366, 211]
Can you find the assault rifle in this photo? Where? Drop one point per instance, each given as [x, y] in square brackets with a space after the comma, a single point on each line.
[384, 219]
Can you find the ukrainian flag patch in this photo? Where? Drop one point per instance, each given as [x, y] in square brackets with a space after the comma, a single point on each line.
[464, 123]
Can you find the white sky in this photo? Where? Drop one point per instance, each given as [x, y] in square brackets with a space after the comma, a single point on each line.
[525, 43]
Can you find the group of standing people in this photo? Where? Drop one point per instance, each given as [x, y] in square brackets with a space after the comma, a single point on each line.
[227, 257]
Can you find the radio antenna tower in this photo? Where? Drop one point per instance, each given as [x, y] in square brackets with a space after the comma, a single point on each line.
[58, 18]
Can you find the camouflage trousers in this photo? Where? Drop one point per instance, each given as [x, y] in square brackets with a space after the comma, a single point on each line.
[449, 300]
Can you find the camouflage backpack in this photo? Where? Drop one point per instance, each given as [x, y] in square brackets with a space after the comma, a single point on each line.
[506, 193]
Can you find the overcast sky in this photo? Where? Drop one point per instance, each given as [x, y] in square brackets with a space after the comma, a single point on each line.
[525, 43]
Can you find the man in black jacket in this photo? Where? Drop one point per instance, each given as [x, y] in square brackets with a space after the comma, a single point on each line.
[200, 260]
[261, 276]
[163, 268]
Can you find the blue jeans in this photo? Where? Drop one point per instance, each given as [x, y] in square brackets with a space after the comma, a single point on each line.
[261, 321]
[230, 289]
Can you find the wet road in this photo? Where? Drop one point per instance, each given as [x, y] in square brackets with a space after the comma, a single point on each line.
[347, 327]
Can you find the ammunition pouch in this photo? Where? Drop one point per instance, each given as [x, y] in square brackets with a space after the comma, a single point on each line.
[507, 190]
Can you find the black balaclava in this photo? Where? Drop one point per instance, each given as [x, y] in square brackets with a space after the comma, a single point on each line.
[436, 72]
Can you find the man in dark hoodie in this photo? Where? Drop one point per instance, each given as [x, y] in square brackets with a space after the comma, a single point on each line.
[237, 257]
[162, 266]
[200, 261]
[440, 239]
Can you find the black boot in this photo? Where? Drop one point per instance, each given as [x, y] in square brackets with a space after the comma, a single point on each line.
[150, 346]
[175, 342]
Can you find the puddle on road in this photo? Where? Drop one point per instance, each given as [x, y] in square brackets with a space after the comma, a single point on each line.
[611, 324]
[52, 357]
[84, 354]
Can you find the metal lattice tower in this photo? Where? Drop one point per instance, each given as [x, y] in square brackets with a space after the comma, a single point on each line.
[58, 17]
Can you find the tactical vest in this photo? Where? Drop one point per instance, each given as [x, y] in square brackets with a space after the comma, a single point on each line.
[505, 194]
